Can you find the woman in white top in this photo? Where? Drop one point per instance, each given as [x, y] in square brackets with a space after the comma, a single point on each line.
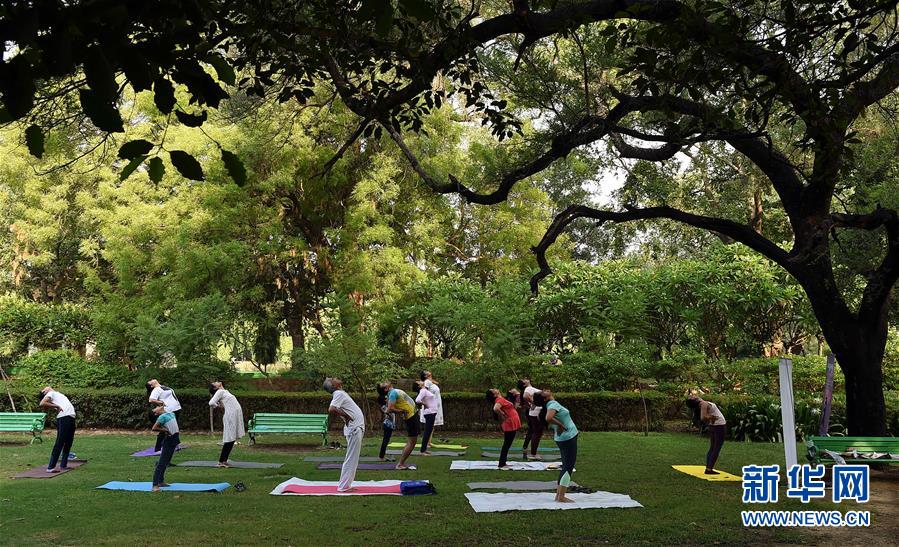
[232, 421]
[432, 386]
[428, 402]
[710, 414]
[65, 427]
[160, 395]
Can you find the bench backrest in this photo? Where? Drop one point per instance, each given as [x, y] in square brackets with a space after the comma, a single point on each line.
[861, 444]
[33, 419]
[312, 421]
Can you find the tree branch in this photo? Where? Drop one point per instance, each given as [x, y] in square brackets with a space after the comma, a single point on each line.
[738, 232]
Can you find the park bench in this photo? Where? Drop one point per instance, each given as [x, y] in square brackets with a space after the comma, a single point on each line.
[846, 446]
[32, 422]
[264, 422]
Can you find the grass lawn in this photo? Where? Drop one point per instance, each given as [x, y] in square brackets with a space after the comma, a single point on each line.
[677, 508]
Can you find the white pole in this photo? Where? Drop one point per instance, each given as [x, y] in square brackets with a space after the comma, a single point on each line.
[786, 411]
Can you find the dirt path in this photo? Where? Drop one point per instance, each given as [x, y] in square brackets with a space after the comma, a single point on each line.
[884, 507]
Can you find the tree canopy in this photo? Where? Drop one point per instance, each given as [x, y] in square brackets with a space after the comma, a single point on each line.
[792, 88]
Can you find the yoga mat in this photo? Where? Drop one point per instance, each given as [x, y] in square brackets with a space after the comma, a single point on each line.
[491, 503]
[467, 465]
[436, 446]
[40, 472]
[518, 486]
[433, 453]
[514, 449]
[544, 457]
[300, 487]
[239, 465]
[149, 451]
[365, 466]
[340, 459]
[176, 487]
[698, 471]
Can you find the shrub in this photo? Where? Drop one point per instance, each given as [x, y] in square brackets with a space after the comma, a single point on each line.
[127, 408]
[64, 367]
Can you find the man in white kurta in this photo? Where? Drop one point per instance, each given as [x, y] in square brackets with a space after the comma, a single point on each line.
[354, 430]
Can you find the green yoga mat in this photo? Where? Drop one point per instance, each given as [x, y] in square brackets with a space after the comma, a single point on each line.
[434, 446]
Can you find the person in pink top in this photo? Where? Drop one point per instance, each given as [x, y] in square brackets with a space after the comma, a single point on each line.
[510, 422]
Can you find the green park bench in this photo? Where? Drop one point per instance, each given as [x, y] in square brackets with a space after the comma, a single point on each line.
[32, 422]
[843, 445]
[264, 422]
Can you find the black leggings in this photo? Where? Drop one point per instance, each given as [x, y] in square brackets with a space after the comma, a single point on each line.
[534, 434]
[716, 441]
[568, 451]
[65, 435]
[385, 440]
[429, 430]
[169, 444]
[226, 451]
[508, 438]
[161, 436]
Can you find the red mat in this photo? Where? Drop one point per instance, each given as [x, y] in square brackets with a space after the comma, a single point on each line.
[358, 490]
[40, 472]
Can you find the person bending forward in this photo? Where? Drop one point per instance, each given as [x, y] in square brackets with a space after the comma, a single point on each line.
[163, 396]
[354, 430]
[232, 420]
[711, 415]
[65, 427]
[167, 424]
[398, 402]
[510, 422]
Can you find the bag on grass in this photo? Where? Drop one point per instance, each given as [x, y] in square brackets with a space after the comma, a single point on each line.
[417, 488]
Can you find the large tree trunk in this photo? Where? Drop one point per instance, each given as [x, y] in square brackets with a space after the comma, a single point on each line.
[858, 343]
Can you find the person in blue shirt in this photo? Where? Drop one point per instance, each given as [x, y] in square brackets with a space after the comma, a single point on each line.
[167, 424]
[565, 433]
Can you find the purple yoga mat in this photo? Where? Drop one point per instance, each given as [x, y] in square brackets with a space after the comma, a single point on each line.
[366, 466]
[40, 472]
[149, 451]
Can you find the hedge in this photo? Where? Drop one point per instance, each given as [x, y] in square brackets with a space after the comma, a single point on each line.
[122, 408]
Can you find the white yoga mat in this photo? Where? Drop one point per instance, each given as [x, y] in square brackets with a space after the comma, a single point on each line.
[279, 490]
[468, 465]
[493, 503]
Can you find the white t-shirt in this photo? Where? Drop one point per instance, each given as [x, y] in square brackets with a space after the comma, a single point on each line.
[344, 402]
[535, 410]
[168, 398]
[717, 417]
[428, 400]
[62, 402]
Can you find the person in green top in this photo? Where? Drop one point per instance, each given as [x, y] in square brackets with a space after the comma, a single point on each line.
[398, 402]
[565, 432]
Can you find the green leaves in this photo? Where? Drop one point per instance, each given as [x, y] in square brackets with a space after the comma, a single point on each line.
[132, 165]
[101, 111]
[164, 95]
[156, 169]
[187, 165]
[191, 120]
[132, 149]
[222, 68]
[99, 74]
[235, 167]
[34, 139]
[382, 13]
[420, 9]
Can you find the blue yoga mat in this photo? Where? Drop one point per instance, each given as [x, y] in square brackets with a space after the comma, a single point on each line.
[176, 487]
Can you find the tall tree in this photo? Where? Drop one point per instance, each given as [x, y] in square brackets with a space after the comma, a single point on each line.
[682, 73]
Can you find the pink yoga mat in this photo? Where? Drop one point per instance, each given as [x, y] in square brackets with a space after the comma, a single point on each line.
[357, 490]
[40, 472]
